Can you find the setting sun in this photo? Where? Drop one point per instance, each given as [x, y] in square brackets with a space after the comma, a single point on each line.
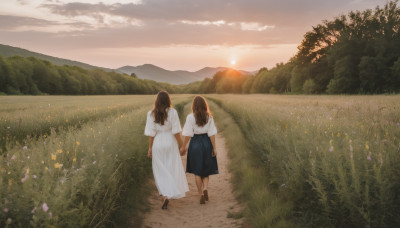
[233, 62]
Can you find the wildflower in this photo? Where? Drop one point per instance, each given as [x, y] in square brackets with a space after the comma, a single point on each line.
[45, 208]
[8, 127]
[369, 156]
[94, 163]
[34, 176]
[42, 162]
[26, 177]
[74, 159]
[338, 134]
[25, 147]
[366, 146]
[10, 181]
[283, 185]
[9, 221]
[351, 148]
[53, 157]
[78, 143]
[50, 214]
[57, 165]
[46, 168]
[13, 157]
[59, 151]
[5, 210]
[331, 149]
[34, 210]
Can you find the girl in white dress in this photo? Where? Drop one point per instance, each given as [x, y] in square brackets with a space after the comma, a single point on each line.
[163, 128]
[201, 159]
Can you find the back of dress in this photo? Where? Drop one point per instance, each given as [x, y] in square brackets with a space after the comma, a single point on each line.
[171, 125]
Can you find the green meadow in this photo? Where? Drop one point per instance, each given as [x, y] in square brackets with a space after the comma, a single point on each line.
[297, 161]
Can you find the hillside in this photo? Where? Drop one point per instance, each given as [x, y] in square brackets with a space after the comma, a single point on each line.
[8, 51]
[152, 72]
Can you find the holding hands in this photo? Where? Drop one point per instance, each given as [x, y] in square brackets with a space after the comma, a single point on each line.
[182, 150]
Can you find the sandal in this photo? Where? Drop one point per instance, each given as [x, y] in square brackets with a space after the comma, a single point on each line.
[165, 204]
[202, 200]
[205, 195]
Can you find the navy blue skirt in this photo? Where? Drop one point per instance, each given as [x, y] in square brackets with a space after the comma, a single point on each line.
[200, 161]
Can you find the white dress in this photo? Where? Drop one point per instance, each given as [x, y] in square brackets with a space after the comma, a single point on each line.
[168, 171]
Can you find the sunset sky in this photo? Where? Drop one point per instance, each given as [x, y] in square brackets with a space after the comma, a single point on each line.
[173, 34]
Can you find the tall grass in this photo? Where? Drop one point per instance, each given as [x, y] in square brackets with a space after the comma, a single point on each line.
[78, 176]
[329, 161]
[22, 116]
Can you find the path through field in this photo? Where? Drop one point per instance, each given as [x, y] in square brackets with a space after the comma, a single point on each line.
[187, 212]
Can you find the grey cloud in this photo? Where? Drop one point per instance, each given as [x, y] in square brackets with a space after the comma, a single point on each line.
[280, 12]
[11, 22]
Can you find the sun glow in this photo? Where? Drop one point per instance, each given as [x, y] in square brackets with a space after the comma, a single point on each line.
[233, 62]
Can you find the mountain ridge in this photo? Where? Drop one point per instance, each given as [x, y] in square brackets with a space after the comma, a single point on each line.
[145, 71]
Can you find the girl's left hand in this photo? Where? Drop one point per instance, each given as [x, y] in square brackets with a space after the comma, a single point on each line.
[214, 153]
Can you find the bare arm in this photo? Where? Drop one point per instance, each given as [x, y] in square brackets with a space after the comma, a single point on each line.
[150, 151]
[212, 138]
[178, 139]
[183, 147]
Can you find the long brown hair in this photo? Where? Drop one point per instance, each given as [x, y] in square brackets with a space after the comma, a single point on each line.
[200, 110]
[161, 106]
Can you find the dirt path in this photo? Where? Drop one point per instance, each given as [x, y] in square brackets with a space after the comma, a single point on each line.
[187, 212]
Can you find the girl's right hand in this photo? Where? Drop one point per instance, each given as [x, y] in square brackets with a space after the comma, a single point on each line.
[182, 151]
[214, 153]
[150, 153]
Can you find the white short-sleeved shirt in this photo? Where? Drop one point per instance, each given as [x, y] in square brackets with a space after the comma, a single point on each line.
[172, 124]
[190, 128]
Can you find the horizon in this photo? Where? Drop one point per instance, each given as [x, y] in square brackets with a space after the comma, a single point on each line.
[245, 35]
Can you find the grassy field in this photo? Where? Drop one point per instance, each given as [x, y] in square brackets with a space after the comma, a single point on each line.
[316, 161]
[72, 161]
[298, 161]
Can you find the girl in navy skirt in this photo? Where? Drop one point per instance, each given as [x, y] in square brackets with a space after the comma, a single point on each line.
[200, 129]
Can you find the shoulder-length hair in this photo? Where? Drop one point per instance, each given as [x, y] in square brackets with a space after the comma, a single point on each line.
[200, 110]
[161, 106]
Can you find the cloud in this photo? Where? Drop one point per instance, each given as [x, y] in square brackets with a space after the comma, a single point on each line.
[9, 22]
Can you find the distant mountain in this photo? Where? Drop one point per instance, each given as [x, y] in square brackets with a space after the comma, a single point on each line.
[146, 71]
[8, 51]
[155, 73]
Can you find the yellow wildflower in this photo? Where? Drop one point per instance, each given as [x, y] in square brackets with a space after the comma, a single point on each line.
[59, 151]
[366, 146]
[42, 162]
[10, 182]
[78, 143]
[46, 168]
[338, 134]
[53, 156]
[57, 165]
[74, 159]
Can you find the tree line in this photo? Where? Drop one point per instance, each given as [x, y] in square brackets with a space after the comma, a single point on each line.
[358, 53]
[19, 75]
